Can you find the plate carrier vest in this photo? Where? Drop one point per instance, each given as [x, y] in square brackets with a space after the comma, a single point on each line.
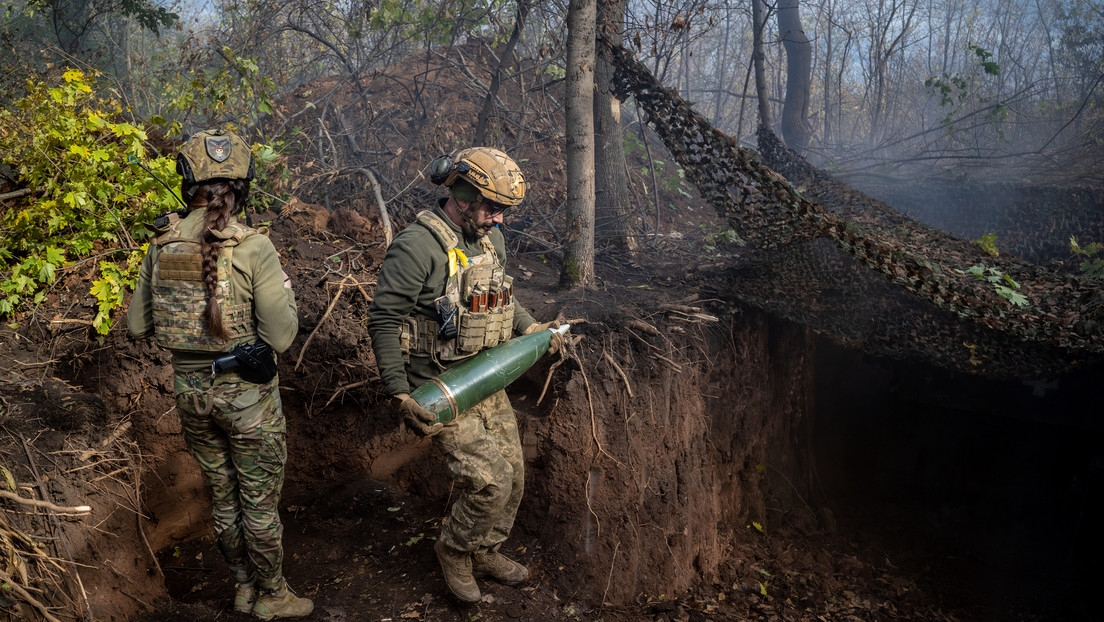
[477, 288]
[179, 297]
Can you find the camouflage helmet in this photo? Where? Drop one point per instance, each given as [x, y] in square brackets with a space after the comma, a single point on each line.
[213, 154]
[493, 173]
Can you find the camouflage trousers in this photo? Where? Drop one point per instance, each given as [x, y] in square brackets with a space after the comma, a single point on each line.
[483, 453]
[241, 448]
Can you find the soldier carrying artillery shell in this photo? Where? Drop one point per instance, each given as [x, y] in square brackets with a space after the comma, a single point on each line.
[442, 297]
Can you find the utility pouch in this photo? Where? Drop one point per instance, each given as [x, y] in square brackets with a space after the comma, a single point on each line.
[473, 332]
[446, 318]
[494, 327]
[253, 361]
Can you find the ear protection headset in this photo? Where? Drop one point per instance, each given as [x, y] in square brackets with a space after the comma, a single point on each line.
[491, 172]
[440, 168]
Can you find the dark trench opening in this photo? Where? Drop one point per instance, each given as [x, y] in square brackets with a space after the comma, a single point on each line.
[990, 492]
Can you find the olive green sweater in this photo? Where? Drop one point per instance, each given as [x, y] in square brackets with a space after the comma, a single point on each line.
[258, 278]
[413, 275]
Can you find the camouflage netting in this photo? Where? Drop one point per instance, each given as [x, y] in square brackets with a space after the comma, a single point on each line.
[815, 247]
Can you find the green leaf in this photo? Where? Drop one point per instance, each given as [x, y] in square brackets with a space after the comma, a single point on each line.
[988, 243]
[8, 479]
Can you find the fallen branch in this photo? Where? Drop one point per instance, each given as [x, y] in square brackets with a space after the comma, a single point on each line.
[138, 515]
[619, 371]
[75, 510]
[72, 321]
[15, 194]
[57, 525]
[590, 404]
[25, 595]
[643, 326]
[379, 201]
[119, 431]
[548, 379]
[342, 389]
[675, 366]
[340, 288]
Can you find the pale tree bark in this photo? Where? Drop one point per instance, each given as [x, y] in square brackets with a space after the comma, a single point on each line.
[612, 201]
[799, 62]
[829, 55]
[759, 17]
[722, 65]
[578, 264]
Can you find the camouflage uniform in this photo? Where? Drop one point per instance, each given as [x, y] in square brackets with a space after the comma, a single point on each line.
[241, 447]
[481, 447]
[234, 428]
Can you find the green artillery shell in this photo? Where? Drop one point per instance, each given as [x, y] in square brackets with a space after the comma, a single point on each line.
[470, 382]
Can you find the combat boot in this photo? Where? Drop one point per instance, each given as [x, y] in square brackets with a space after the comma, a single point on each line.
[281, 603]
[499, 567]
[457, 568]
[244, 595]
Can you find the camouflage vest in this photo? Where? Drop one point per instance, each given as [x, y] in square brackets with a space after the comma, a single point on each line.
[179, 297]
[479, 290]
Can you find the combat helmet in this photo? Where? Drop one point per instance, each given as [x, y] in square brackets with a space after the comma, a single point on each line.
[493, 173]
[213, 154]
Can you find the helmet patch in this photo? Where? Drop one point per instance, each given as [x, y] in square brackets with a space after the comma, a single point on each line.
[218, 147]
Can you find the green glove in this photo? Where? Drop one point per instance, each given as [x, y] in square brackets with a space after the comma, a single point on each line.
[417, 418]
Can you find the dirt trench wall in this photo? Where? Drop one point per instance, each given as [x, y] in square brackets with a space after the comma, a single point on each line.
[642, 497]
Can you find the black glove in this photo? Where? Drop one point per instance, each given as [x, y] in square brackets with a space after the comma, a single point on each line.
[417, 418]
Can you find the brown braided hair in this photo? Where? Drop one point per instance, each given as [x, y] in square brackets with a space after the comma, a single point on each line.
[221, 198]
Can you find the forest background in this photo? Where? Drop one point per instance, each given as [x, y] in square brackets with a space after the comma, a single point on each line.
[343, 105]
[868, 90]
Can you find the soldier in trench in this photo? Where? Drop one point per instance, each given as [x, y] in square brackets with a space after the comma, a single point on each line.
[212, 291]
[443, 296]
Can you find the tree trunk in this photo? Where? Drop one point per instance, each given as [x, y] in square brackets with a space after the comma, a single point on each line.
[612, 202]
[492, 90]
[795, 128]
[758, 16]
[578, 264]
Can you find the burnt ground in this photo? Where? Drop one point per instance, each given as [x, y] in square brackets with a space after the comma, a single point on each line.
[693, 458]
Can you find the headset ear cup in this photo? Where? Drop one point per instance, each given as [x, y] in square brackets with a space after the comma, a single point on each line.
[184, 169]
[439, 169]
[252, 171]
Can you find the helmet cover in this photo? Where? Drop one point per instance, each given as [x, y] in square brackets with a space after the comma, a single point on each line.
[214, 154]
[493, 173]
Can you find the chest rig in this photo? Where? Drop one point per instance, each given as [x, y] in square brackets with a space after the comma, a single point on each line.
[179, 295]
[478, 295]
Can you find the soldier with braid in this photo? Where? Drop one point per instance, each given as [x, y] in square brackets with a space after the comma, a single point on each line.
[212, 291]
[443, 296]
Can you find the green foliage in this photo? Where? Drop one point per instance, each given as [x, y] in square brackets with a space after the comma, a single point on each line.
[675, 182]
[1092, 267]
[67, 145]
[230, 95]
[109, 288]
[712, 238]
[1003, 285]
[271, 172]
[437, 22]
[148, 14]
[988, 243]
[954, 90]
